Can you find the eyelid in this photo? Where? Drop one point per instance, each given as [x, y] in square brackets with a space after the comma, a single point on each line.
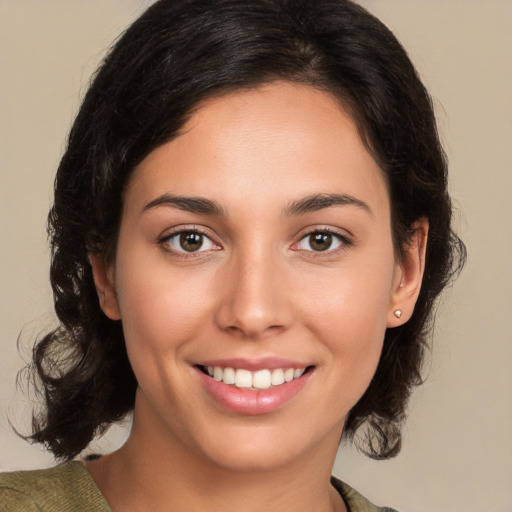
[178, 230]
[345, 239]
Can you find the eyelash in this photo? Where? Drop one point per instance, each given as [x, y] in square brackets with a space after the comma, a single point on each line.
[344, 241]
[164, 242]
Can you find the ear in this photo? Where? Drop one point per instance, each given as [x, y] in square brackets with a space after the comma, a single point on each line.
[104, 281]
[408, 276]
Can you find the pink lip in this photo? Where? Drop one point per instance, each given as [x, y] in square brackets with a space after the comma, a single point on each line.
[245, 401]
[270, 363]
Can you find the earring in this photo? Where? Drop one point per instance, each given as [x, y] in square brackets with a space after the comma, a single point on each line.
[398, 313]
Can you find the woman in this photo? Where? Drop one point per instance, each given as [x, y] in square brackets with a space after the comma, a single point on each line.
[250, 229]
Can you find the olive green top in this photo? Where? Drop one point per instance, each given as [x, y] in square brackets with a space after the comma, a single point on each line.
[69, 487]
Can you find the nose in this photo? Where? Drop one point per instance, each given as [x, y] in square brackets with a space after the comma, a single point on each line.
[256, 300]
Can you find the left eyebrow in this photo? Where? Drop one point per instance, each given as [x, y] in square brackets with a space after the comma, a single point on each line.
[199, 205]
[317, 202]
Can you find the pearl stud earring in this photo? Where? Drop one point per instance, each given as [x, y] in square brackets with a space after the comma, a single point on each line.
[398, 313]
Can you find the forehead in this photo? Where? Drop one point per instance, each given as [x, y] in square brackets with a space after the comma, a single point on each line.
[276, 142]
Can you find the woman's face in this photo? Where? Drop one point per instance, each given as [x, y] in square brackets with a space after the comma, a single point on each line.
[256, 243]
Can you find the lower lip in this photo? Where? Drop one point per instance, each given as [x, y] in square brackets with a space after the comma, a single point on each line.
[253, 402]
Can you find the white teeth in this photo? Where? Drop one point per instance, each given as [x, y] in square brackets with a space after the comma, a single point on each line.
[277, 377]
[260, 379]
[217, 373]
[288, 375]
[228, 376]
[243, 379]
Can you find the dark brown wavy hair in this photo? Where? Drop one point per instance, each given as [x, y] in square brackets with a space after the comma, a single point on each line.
[177, 54]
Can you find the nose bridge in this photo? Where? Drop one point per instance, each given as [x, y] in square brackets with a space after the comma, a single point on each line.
[254, 301]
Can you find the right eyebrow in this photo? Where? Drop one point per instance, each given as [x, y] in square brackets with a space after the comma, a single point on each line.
[317, 202]
[199, 205]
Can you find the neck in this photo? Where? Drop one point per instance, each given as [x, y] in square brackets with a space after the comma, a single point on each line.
[156, 471]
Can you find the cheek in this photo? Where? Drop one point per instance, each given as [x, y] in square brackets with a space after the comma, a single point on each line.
[350, 300]
[160, 309]
[348, 314]
[352, 327]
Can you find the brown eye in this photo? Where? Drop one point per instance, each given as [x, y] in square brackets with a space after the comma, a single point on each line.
[321, 241]
[189, 242]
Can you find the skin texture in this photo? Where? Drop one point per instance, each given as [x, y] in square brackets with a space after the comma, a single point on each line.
[256, 290]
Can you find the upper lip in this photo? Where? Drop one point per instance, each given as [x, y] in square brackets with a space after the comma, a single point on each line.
[270, 363]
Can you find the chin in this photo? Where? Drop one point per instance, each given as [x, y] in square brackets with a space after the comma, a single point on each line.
[252, 458]
[247, 448]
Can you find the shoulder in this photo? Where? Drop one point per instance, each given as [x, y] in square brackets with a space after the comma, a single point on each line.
[64, 487]
[356, 502]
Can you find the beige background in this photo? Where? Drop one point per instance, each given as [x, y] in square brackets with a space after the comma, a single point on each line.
[457, 453]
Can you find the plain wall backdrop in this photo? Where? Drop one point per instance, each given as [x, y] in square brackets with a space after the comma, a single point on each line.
[457, 453]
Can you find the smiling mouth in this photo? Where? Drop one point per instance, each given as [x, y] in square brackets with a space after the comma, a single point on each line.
[254, 380]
